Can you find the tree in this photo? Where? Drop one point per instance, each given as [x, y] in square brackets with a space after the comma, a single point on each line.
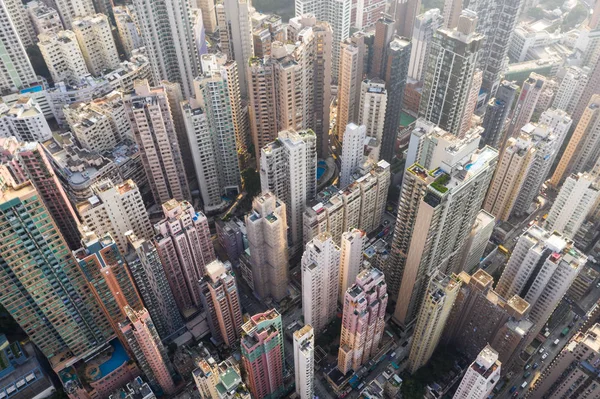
[575, 17]
[251, 181]
[37, 61]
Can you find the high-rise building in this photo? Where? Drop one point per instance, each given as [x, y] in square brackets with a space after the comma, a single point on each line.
[63, 56]
[185, 248]
[578, 194]
[263, 354]
[235, 30]
[94, 35]
[426, 25]
[593, 84]
[371, 113]
[360, 204]
[304, 361]
[169, 41]
[353, 52]
[481, 377]
[438, 220]
[93, 130]
[129, 33]
[212, 121]
[435, 309]
[496, 23]
[574, 371]
[71, 9]
[108, 276]
[152, 121]
[405, 13]
[570, 89]
[20, 21]
[531, 91]
[59, 312]
[338, 13]
[480, 317]
[290, 89]
[20, 162]
[209, 16]
[320, 281]
[351, 259]
[352, 152]
[288, 170]
[384, 33]
[150, 278]
[16, 69]
[541, 268]
[266, 227]
[151, 355]
[221, 301]
[584, 142]
[219, 380]
[477, 241]
[496, 114]
[24, 120]
[44, 18]
[363, 320]
[450, 73]
[116, 209]
[396, 69]
[365, 13]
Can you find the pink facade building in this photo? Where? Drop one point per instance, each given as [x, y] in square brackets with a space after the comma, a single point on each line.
[363, 321]
[148, 349]
[262, 354]
[184, 246]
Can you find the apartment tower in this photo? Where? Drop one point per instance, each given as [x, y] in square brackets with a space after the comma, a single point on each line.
[304, 362]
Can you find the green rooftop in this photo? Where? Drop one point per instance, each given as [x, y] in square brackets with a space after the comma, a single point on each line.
[230, 378]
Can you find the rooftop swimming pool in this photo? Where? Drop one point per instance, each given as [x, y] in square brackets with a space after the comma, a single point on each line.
[321, 168]
[116, 360]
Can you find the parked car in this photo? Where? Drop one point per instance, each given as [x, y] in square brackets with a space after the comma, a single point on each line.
[527, 374]
[544, 356]
[535, 366]
[541, 350]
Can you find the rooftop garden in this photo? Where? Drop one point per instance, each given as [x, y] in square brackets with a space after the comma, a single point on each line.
[439, 184]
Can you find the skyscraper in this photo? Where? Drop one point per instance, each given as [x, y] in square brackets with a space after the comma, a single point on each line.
[541, 268]
[235, 28]
[338, 14]
[116, 209]
[426, 25]
[578, 194]
[70, 9]
[531, 90]
[438, 220]
[214, 130]
[59, 313]
[166, 28]
[320, 281]
[304, 359]
[570, 89]
[266, 227]
[573, 372]
[185, 248]
[496, 114]
[109, 278]
[405, 14]
[28, 161]
[584, 142]
[22, 25]
[371, 113]
[365, 13]
[209, 17]
[363, 320]
[288, 169]
[398, 58]
[150, 278]
[384, 33]
[496, 23]
[353, 52]
[435, 309]
[477, 241]
[129, 34]
[481, 376]
[16, 69]
[63, 56]
[94, 35]
[351, 259]
[151, 355]
[262, 354]
[152, 122]
[221, 301]
[352, 152]
[449, 74]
